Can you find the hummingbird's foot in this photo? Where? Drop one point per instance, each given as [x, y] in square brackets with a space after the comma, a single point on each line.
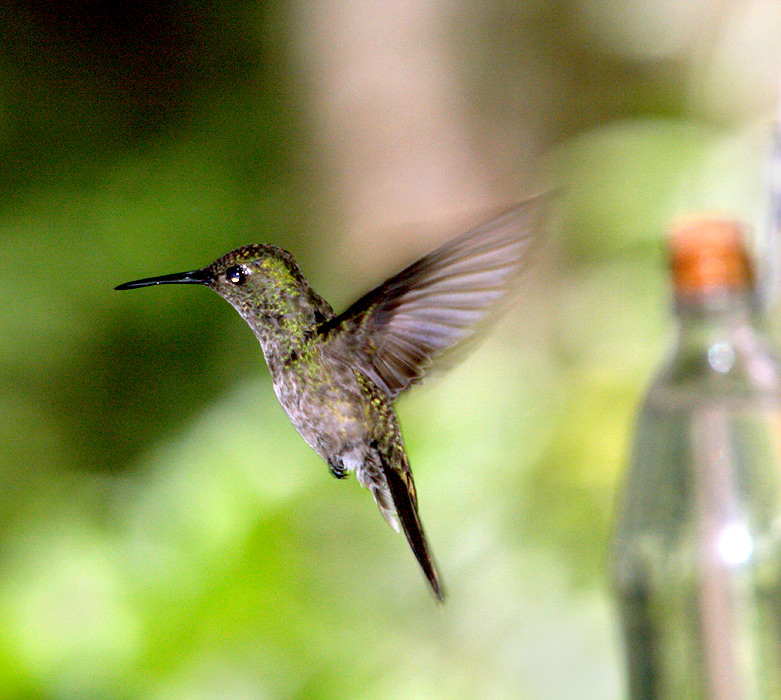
[337, 468]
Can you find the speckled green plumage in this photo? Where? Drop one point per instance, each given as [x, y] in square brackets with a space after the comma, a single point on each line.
[337, 376]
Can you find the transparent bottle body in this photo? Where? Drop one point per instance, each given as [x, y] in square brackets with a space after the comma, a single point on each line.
[697, 552]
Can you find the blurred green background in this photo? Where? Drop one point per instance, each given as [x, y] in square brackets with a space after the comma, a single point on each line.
[164, 532]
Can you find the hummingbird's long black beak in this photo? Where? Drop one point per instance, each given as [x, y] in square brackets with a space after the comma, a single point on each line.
[192, 277]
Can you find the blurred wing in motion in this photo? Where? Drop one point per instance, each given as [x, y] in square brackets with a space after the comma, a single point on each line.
[397, 330]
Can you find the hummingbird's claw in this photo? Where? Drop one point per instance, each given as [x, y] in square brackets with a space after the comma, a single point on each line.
[337, 469]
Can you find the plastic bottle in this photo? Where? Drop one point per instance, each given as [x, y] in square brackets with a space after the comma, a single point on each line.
[697, 551]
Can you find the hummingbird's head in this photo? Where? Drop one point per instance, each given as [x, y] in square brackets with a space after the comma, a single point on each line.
[262, 282]
[257, 276]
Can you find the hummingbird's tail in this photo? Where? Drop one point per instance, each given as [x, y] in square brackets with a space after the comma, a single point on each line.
[407, 512]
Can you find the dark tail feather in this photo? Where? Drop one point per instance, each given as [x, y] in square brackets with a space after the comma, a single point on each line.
[410, 523]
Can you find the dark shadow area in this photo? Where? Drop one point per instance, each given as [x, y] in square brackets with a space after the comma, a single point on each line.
[84, 82]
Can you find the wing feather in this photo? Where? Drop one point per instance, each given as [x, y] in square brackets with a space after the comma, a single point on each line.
[397, 330]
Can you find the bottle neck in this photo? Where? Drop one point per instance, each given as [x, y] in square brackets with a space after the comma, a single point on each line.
[716, 325]
[718, 306]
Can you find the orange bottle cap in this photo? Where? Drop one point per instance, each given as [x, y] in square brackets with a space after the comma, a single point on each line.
[708, 252]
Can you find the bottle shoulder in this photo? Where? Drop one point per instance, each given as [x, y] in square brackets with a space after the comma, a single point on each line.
[739, 368]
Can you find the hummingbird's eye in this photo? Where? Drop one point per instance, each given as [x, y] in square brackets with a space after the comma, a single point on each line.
[236, 274]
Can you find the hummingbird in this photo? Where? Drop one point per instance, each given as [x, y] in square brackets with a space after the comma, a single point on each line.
[337, 376]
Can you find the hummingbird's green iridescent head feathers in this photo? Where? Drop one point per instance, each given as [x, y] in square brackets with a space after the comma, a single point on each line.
[265, 284]
[255, 270]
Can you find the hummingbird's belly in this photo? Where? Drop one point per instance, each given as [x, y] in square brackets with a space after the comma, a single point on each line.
[330, 415]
